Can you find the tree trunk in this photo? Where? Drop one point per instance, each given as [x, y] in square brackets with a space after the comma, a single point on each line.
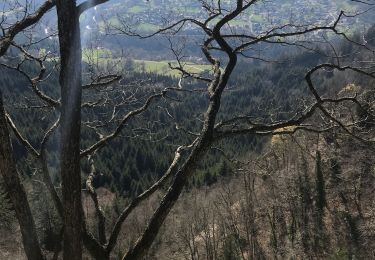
[16, 191]
[145, 241]
[71, 94]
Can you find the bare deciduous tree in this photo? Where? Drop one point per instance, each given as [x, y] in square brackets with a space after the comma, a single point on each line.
[221, 48]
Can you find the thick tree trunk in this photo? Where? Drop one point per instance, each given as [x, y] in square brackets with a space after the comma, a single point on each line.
[204, 143]
[16, 191]
[71, 94]
[142, 246]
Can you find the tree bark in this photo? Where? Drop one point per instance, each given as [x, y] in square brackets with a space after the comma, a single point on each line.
[145, 241]
[16, 191]
[204, 143]
[71, 95]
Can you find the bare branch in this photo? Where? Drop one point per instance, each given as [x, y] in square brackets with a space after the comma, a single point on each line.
[89, 4]
[19, 136]
[94, 197]
[121, 125]
[102, 81]
[19, 26]
[146, 194]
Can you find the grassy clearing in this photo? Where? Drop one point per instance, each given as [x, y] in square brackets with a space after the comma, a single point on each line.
[147, 27]
[96, 54]
[140, 27]
[257, 18]
[162, 67]
[136, 9]
[104, 58]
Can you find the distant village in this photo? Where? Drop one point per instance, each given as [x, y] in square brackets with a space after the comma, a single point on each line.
[257, 19]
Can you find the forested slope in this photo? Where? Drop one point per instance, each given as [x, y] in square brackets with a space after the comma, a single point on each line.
[307, 196]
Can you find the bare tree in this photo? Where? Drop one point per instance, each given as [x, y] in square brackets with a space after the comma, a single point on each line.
[231, 45]
[9, 172]
[221, 48]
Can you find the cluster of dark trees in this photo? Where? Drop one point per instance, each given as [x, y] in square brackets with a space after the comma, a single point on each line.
[128, 166]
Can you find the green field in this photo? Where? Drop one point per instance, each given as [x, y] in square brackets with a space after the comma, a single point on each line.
[136, 9]
[104, 57]
[114, 22]
[162, 67]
